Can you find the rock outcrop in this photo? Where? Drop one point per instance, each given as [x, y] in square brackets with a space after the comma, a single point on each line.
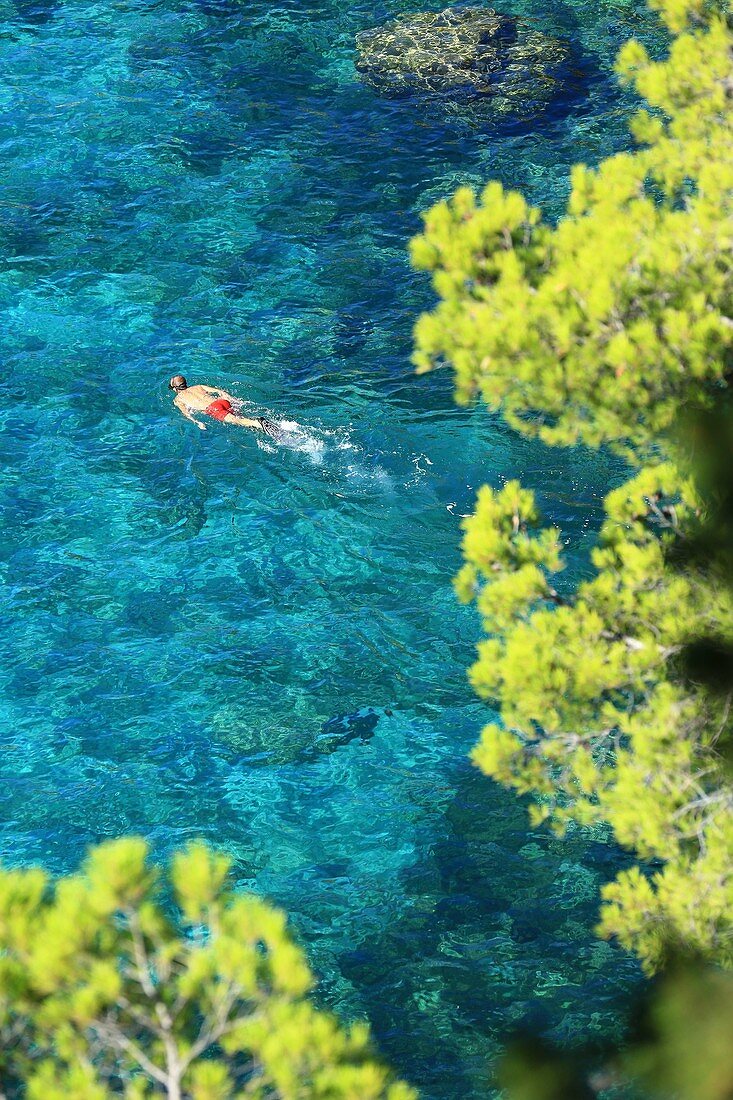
[475, 50]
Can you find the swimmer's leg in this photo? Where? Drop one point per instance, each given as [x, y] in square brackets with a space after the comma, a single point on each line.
[244, 421]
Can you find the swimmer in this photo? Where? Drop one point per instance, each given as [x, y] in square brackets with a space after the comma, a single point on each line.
[215, 403]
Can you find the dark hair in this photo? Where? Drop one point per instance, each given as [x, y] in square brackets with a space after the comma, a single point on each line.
[177, 382]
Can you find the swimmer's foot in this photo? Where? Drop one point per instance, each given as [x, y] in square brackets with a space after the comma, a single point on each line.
[269, 427]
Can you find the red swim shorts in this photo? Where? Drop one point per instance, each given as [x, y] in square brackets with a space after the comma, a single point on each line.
[219, 409]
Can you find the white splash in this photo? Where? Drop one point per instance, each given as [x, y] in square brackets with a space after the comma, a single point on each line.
[335, 449]
[299, 438]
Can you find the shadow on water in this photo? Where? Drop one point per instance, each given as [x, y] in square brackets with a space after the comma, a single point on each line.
[409, 120]
[491, 940]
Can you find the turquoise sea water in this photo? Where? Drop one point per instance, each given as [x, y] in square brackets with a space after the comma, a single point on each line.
[206, 635]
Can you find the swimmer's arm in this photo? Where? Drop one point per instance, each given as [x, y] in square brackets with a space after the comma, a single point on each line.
[187, 413]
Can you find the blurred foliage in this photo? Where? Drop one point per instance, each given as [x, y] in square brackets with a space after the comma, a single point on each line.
[682, 1045]
[109, 987]
[679, 1046]
[613, 329]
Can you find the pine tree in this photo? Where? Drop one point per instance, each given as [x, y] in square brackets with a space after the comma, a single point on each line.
[111, 987]
[609, 329]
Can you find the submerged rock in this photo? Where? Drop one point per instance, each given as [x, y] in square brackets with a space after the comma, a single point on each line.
[475, 50]
[341, 730]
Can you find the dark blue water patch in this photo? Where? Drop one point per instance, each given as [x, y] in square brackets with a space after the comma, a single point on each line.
[33, 13]
[210, 634]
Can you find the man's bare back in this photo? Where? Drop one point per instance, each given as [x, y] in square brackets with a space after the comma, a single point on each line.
[213, 402]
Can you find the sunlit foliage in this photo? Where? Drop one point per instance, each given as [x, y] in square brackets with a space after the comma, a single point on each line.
[111, 986]
[604, 331]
